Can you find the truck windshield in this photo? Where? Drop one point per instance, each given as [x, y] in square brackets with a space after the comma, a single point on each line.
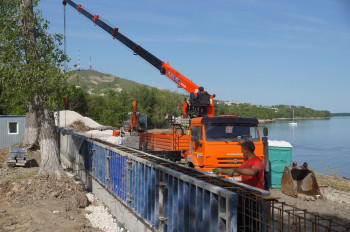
[235, 132]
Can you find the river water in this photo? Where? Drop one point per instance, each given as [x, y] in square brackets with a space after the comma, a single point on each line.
[323, 144]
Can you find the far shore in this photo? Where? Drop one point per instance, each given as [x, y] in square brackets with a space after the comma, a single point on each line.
[296, 118]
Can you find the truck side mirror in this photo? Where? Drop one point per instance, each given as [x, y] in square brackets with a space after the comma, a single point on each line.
[265, 131]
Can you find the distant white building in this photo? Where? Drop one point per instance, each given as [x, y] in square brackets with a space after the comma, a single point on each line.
[230, 103]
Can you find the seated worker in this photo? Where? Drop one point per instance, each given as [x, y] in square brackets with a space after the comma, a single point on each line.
[252, 168]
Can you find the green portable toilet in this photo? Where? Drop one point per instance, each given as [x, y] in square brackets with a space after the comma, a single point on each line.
[280, 155]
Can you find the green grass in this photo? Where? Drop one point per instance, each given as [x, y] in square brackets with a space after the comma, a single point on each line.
[82, 78]
[24, 176]
[16, 145]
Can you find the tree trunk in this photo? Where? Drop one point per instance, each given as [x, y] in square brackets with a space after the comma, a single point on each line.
[50, 160]
[31, 133]
[28, 31]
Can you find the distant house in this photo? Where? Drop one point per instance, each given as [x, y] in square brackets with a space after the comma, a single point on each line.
[11, 130]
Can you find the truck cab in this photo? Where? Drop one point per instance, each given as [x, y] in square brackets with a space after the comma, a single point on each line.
[214, 141]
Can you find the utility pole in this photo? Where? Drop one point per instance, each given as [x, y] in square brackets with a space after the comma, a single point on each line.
[78, 59]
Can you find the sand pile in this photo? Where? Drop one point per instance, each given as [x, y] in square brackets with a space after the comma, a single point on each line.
[106, 135]
[67, 117]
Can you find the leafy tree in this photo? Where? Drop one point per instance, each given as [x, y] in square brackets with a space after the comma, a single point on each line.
[278, 111]
[30, 68]
[77, 100]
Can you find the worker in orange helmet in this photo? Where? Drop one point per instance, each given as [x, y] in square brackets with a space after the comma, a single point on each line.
[252, 169]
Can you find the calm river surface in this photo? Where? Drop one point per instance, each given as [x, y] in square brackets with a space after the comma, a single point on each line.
[323, 144]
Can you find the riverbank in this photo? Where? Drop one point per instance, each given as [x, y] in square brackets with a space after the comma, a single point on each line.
[296, 118]
[30, 202]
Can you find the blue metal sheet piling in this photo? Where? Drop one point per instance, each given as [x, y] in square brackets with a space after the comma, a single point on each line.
[87, 153]
[99, 156]
[117, 171]
[214, 214]
[180, 210]
[165, 199]
[199, 213]
[192, 214]
[186, 205]
[206, 208]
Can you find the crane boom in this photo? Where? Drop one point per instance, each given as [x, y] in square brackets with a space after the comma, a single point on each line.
[198, 104]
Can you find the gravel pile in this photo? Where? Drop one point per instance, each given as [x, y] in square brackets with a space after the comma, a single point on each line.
[67, 117]
[100, 217]
[97, 213]
[131, 141]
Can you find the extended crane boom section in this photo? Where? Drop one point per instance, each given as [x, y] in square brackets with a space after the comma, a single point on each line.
[179, 79]
[157, 63]
[198, 104]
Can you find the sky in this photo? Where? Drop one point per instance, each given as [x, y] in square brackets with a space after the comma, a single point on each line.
[252, 51]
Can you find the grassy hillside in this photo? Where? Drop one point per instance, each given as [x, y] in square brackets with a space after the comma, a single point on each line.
[95, 82]
[100, 97]
[100, 85]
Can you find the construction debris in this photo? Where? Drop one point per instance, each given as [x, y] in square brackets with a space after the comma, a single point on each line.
[17, 157]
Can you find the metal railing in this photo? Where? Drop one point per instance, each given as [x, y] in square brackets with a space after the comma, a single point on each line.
[166, 199]
[170, 197]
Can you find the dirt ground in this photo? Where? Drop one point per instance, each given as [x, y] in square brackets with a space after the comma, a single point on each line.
[335, 204]
[29, 202]
[335, 209]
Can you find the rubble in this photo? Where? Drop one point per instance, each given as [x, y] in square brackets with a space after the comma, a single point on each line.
[31, 202]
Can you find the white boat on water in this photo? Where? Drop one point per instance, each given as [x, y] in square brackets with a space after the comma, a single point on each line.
[292, 123]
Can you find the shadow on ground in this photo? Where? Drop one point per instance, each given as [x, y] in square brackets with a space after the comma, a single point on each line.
[32, 163]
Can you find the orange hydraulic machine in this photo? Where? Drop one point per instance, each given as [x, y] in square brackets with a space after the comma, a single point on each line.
[136, 122]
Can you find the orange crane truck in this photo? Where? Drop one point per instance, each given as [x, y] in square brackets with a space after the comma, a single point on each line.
[209, 141]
